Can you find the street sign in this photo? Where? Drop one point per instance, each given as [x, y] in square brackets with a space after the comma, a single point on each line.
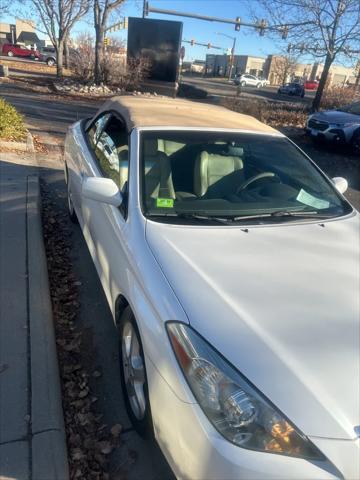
[182, 53]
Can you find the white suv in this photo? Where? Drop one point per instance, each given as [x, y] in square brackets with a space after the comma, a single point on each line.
[247, 80]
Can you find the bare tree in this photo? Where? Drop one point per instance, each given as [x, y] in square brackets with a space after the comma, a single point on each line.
[283, 67]
[58, 17]
[3, 7]
[325, 29]
[102, 11]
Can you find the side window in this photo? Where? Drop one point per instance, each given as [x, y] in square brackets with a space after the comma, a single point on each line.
[96, 129]
[111, 150]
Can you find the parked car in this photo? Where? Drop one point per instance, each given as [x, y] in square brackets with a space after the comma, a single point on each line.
[247, 80]
[294, 89]
[48, 55]
[230, 265]
[311, 84]
[264, 81]
[340, 126]
[17, 50]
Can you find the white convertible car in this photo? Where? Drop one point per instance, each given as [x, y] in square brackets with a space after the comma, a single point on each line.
[231, 266]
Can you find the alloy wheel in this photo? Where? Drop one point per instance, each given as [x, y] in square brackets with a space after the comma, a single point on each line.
[134, 371]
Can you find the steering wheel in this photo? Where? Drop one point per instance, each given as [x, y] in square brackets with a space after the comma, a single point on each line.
[255, 178]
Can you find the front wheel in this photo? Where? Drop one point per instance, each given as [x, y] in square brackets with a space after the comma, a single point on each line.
[243, 84]
[10, 53]
[71, 209]
[258, 85]
[133, 375]
[50, 62]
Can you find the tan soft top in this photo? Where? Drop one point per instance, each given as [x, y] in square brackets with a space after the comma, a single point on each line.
[142, 111]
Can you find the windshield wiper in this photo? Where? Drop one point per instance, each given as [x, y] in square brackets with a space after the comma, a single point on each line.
[282, 214]
[193, 216]
[198, 216]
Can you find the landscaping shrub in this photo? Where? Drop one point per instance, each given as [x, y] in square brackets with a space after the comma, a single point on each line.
[117, 71]
[335, 97]
[11, 123]
[274, 114]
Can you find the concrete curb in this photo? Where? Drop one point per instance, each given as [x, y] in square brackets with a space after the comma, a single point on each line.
[49, 453]
[26, 146]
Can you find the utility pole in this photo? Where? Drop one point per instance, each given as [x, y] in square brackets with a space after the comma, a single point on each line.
[232, 57]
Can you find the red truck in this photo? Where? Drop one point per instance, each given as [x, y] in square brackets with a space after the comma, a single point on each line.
[16, 50]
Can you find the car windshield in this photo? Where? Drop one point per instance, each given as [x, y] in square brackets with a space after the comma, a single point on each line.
[231, 177]
[353, 108]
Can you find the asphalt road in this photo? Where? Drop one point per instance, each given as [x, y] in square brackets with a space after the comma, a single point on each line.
[222, 88]
[46, 113]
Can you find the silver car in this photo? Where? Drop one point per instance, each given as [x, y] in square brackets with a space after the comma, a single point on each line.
[340, 126]
[247, 80]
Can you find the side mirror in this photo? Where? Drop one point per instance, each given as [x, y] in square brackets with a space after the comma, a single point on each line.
[102, 190]
[341, 184]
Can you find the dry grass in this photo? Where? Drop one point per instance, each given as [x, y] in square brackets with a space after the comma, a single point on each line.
[32, 67]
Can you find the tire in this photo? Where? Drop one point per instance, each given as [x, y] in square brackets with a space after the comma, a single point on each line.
[258, 85]
[50, 62]
[10, 53]
[355, 143]
[133, 375]
[71, 209]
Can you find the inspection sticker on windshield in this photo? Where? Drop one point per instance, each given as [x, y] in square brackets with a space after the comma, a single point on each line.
[164, 202]
[312, 201]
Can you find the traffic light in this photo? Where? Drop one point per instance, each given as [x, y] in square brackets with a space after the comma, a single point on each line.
[209, 45]
[106, 41]
[237, 26]
[289, 48]
[126, 22]
[262, 25]
[192, 42]
[285, 31]
[146, 9]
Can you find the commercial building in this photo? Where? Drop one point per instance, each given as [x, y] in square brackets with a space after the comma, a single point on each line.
[277, 69]
[219, 65]
[22, 31]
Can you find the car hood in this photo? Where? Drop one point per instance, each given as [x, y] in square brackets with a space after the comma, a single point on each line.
[335, 116]
[281, 303]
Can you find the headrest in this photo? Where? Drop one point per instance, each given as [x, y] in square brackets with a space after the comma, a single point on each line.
[234, 151]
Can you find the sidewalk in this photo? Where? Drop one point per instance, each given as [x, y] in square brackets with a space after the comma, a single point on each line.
[32, 437]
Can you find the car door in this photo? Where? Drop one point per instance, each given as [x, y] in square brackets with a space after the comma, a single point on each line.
[21, 51]
[104, 225]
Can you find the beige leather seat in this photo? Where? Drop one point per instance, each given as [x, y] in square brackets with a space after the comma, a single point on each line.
[218, 175]
[158, 178]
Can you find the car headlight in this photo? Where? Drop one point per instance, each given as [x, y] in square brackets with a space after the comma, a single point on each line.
[235, 408]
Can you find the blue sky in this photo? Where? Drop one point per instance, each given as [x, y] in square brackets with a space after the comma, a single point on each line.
[248, 41]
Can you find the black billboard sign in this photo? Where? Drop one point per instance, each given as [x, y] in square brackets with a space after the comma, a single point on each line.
[160, 42]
